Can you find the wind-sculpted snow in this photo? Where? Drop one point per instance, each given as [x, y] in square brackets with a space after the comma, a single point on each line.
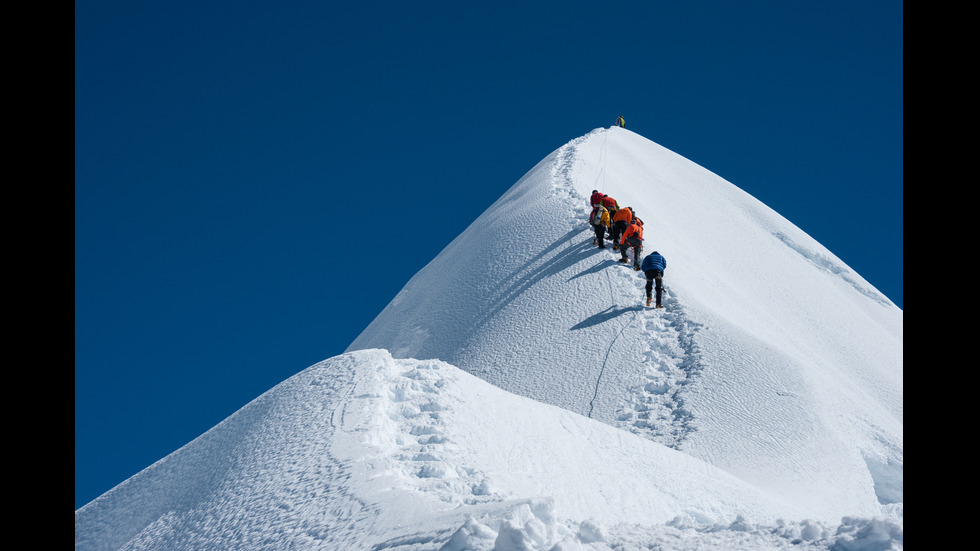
[673, 361]
[516, 394]
[831, 266]
[532, 302]
[766, 362]
[364, 451]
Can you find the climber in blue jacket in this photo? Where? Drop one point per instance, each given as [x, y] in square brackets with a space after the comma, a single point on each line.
[653, 266]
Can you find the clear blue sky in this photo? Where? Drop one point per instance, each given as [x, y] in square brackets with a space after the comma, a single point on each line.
[216, 141]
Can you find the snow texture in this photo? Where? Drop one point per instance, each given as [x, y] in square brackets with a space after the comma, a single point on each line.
[517, 394]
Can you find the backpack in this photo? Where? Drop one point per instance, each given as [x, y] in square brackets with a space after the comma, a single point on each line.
[596, 198]
[624, 215]
[596, 218]
[634, 240]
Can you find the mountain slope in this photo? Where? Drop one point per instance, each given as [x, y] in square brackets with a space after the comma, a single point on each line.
[515, 395]
[773, 360]
[364, 451]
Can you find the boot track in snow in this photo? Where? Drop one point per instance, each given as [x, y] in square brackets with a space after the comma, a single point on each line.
[654, 409]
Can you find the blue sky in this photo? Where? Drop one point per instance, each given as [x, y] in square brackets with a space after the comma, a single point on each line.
[216, 142]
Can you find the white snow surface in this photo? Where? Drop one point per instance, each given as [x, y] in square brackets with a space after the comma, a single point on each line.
[517, 395]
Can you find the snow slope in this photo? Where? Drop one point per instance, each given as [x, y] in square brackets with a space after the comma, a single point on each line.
[363, 451]
[773, 360]
[515, 395]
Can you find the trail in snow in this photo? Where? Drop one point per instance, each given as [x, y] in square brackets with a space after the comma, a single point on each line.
[776, 409]
[428, 435]
[654, 409]
[416, 407]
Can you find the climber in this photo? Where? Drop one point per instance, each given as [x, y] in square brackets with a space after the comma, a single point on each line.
[620, 221]
[612, 206]
[632, 238]
[653, 266]
[596, 198]
[599, 219]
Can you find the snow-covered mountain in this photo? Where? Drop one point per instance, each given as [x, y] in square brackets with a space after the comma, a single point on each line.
[516, 394]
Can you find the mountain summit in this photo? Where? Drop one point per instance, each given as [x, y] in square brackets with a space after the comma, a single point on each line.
[768, 342]
[516, 394]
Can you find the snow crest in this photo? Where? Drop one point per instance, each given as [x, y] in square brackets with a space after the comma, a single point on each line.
[672, 359]
[517, 394]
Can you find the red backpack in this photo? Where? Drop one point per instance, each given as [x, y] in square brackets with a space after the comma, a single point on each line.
[596, 198]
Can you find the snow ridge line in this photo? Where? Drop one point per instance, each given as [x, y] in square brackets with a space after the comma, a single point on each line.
[602, 163]
[656, 408]
[563, 186]
[825, 263]
[339, 500]
[561, 170]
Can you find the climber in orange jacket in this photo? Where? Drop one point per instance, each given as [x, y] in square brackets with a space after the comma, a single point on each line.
[620, 221]
[632, 238]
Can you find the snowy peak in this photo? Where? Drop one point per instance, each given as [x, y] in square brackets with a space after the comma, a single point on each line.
[763, 326]
[517, 394]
